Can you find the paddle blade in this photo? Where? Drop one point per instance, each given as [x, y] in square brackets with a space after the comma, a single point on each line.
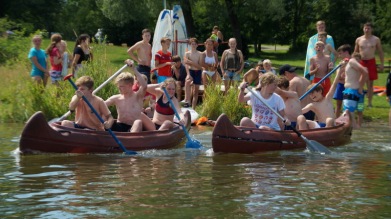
[315, 146]
[192, 143]
[127, 152]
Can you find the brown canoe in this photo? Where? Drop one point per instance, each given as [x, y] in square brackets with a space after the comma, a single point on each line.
[228, 138]
[40, 136]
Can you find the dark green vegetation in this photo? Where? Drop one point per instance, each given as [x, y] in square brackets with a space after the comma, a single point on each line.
[252, 22]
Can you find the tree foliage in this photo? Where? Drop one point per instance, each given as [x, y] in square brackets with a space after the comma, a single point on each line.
[251, 21]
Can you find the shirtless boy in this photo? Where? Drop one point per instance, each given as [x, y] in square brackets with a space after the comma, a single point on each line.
[367, 45]
[84, 119]
[252, 76]
[291, 100]
[328, 48]
[129, 104]
[322, 106]
[192, 61]
[297, 84]
[144, 54]
[320, 64]
[355, 77]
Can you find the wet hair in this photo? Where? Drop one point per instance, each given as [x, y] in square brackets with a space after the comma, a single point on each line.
[54, 39]
[145, 31]
[345, 48]
[176, 58]
[85, 81]
[125, 77]
[283, 82]
[83, 37]
[318, 88]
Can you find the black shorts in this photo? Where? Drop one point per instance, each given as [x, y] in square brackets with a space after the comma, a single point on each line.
[120, 127]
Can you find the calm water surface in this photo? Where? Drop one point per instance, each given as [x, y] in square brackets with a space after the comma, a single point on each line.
[353, 182]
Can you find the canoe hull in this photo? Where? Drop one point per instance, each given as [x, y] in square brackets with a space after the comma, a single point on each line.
[40, 136]
[228, 138]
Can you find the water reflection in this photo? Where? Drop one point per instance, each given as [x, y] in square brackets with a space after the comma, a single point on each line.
[352, 182]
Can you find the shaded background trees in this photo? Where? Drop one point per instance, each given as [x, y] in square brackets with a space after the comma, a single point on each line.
[252, 22]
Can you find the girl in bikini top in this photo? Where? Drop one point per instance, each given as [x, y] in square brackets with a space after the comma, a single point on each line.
[164, 108]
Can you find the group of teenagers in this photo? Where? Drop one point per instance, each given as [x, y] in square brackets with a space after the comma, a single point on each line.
[138, 88]
[283, 94]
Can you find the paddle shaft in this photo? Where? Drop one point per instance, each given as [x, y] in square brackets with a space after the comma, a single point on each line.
[101, 120]
[319, 82]
[97, 89]
[176, 114]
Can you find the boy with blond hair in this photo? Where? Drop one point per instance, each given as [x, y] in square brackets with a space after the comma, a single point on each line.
[328, 49]
[129, 104]
[320, 65]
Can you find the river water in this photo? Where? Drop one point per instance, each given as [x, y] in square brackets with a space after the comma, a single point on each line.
[353, 182]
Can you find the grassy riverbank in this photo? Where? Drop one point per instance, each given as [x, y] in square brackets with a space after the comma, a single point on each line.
[20, 98]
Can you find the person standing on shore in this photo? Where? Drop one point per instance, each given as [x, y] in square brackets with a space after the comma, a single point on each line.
[143, 50]
[39, 72]
[81, 53]
[367, 45]
[320, 27]
[55, 58]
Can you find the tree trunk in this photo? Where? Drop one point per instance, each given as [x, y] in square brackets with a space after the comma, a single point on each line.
[187, 13]
[235, 26]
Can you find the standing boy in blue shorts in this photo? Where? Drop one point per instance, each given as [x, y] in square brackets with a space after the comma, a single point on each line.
[355, 78]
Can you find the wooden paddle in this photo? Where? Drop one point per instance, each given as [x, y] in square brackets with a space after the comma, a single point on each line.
[324, 78]
[93, 92]
[191, 143]
[311, 145]
[128, 152]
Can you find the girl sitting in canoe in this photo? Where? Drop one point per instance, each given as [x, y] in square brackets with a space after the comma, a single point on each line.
[163, 116]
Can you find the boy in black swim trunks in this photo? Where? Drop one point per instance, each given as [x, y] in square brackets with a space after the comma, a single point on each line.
[129, 103]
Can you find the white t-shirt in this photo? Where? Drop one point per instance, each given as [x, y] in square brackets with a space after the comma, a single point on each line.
[262, 115]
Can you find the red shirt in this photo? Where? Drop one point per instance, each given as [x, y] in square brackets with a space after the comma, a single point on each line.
[55, 53]
[163, 58]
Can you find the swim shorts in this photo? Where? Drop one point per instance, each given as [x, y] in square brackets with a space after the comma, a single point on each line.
[197, 76]
[371, 66]
[338, 95]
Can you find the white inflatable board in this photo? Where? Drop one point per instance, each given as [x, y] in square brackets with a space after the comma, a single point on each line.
[193, 114]
[169, 23]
